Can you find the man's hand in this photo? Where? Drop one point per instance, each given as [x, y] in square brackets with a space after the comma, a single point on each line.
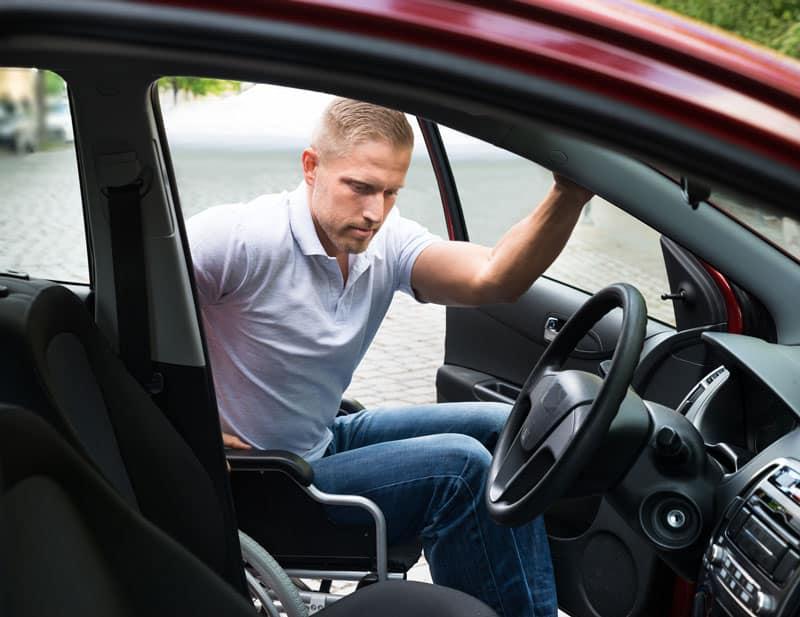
[232, 441]
[567, 186]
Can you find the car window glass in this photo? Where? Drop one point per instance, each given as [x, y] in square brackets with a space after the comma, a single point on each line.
[235, 141]
[498, 188]
[779, 227]
[41, 229]
[231, 142]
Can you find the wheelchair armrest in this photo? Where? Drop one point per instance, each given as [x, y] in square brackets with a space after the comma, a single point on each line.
[271, 460]
[348, 406]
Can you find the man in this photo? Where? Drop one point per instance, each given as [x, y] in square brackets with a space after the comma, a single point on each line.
[293, 288]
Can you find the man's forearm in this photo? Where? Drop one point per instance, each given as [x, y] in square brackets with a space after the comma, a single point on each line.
[462, 273]
[527, 249]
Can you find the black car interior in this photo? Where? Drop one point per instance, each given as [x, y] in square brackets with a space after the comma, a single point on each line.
[73, 546]
[138, 505]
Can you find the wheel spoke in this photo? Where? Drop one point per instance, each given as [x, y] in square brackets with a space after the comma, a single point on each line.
[558, 441]
[513, 461]
[522, 471]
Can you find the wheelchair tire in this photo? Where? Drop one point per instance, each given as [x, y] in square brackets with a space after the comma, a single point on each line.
[273, 576]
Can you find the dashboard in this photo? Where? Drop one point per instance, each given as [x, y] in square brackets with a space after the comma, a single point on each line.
[747, 411]
[751, 566]
[737, 415]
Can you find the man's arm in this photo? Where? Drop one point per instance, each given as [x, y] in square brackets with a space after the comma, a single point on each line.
[462, 273]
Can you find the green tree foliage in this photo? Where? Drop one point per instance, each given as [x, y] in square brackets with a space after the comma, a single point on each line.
[54, 85]
[773, 23]
[198, 86]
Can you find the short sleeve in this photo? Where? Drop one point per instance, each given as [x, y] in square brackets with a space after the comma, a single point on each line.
[219, 254]
[409, 239]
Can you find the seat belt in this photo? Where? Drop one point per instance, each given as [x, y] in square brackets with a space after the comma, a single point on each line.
[130, 284]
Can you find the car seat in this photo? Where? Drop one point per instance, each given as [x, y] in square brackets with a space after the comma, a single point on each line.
[57, 363]
[74, 546]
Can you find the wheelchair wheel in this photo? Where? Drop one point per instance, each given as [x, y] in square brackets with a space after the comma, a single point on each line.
[267, 582]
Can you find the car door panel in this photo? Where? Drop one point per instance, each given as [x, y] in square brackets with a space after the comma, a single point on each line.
[499, 344]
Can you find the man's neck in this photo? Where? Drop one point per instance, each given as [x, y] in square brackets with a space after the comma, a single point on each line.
[343, 259]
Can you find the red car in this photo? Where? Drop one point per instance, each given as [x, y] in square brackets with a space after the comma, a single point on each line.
[676, 488]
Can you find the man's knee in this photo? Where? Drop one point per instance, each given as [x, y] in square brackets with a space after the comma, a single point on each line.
[466, 457]
[496, 416]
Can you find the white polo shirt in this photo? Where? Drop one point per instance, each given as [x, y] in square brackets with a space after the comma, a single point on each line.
[283, 334]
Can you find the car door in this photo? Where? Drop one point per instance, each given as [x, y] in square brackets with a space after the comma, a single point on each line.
[601, 566]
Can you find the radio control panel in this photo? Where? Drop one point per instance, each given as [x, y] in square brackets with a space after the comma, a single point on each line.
[753, 564]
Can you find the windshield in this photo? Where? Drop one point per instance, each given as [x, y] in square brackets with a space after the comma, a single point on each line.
[776, 226]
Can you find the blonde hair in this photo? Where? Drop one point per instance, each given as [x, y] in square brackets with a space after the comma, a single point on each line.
[345, 123]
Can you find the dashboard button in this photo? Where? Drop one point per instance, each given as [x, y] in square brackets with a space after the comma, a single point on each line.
[765, 547]
[764, 604]
[745, 597]
[785, 479]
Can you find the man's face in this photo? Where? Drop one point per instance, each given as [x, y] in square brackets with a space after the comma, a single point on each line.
[351, 195]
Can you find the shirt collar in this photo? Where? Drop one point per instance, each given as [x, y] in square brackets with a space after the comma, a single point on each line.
[302, 225]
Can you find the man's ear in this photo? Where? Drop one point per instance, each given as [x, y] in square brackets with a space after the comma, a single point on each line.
[310, 160]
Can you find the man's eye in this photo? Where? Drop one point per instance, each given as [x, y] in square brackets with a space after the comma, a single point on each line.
[392, 193]
[361, 189]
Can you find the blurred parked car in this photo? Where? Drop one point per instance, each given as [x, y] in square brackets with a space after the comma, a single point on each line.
[58, 121]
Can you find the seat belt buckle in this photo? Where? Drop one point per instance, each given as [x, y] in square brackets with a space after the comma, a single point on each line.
[154, 385]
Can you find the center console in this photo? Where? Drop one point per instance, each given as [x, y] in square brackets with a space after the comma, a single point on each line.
[752, 564]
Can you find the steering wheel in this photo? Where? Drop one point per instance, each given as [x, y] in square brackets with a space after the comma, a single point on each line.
[561, 416]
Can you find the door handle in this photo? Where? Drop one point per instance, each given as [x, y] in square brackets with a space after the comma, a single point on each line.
[496, 391]
[552, 326]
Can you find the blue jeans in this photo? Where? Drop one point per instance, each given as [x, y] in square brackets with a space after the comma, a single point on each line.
[426, 467]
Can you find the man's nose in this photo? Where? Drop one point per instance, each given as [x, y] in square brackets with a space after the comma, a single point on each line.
[373, 208]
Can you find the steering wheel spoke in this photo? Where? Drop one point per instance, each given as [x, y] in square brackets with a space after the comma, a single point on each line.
[515, 460]
[522, 470]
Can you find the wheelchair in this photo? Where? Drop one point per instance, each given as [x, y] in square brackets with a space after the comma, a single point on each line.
[326, 551]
